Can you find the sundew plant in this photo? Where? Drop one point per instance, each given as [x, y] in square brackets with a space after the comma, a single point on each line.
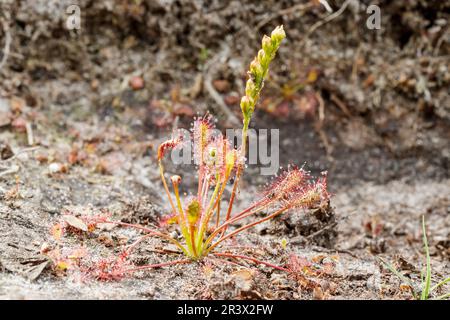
[206, 220]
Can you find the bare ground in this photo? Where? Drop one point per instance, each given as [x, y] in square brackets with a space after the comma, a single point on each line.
[383, 137]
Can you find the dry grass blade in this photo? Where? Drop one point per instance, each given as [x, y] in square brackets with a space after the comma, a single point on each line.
[440, 284]
[426, 286]
[8, 39]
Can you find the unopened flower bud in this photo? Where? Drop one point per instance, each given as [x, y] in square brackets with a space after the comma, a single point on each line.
[246, 106]
[284, 243]
[176, 179]
[278, 34]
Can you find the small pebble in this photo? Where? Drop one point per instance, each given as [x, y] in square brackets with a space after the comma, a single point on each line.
[136, 83]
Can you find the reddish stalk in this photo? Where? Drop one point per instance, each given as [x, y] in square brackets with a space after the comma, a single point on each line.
[223, 238]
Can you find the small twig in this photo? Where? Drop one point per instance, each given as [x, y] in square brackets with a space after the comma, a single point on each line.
[210, 68]
[164, 251]
[439, 42]
[319, 128]
[324, 21]
[6, 49]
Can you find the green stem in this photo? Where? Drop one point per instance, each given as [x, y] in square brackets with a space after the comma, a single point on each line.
[181, 218]
[192, 238]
